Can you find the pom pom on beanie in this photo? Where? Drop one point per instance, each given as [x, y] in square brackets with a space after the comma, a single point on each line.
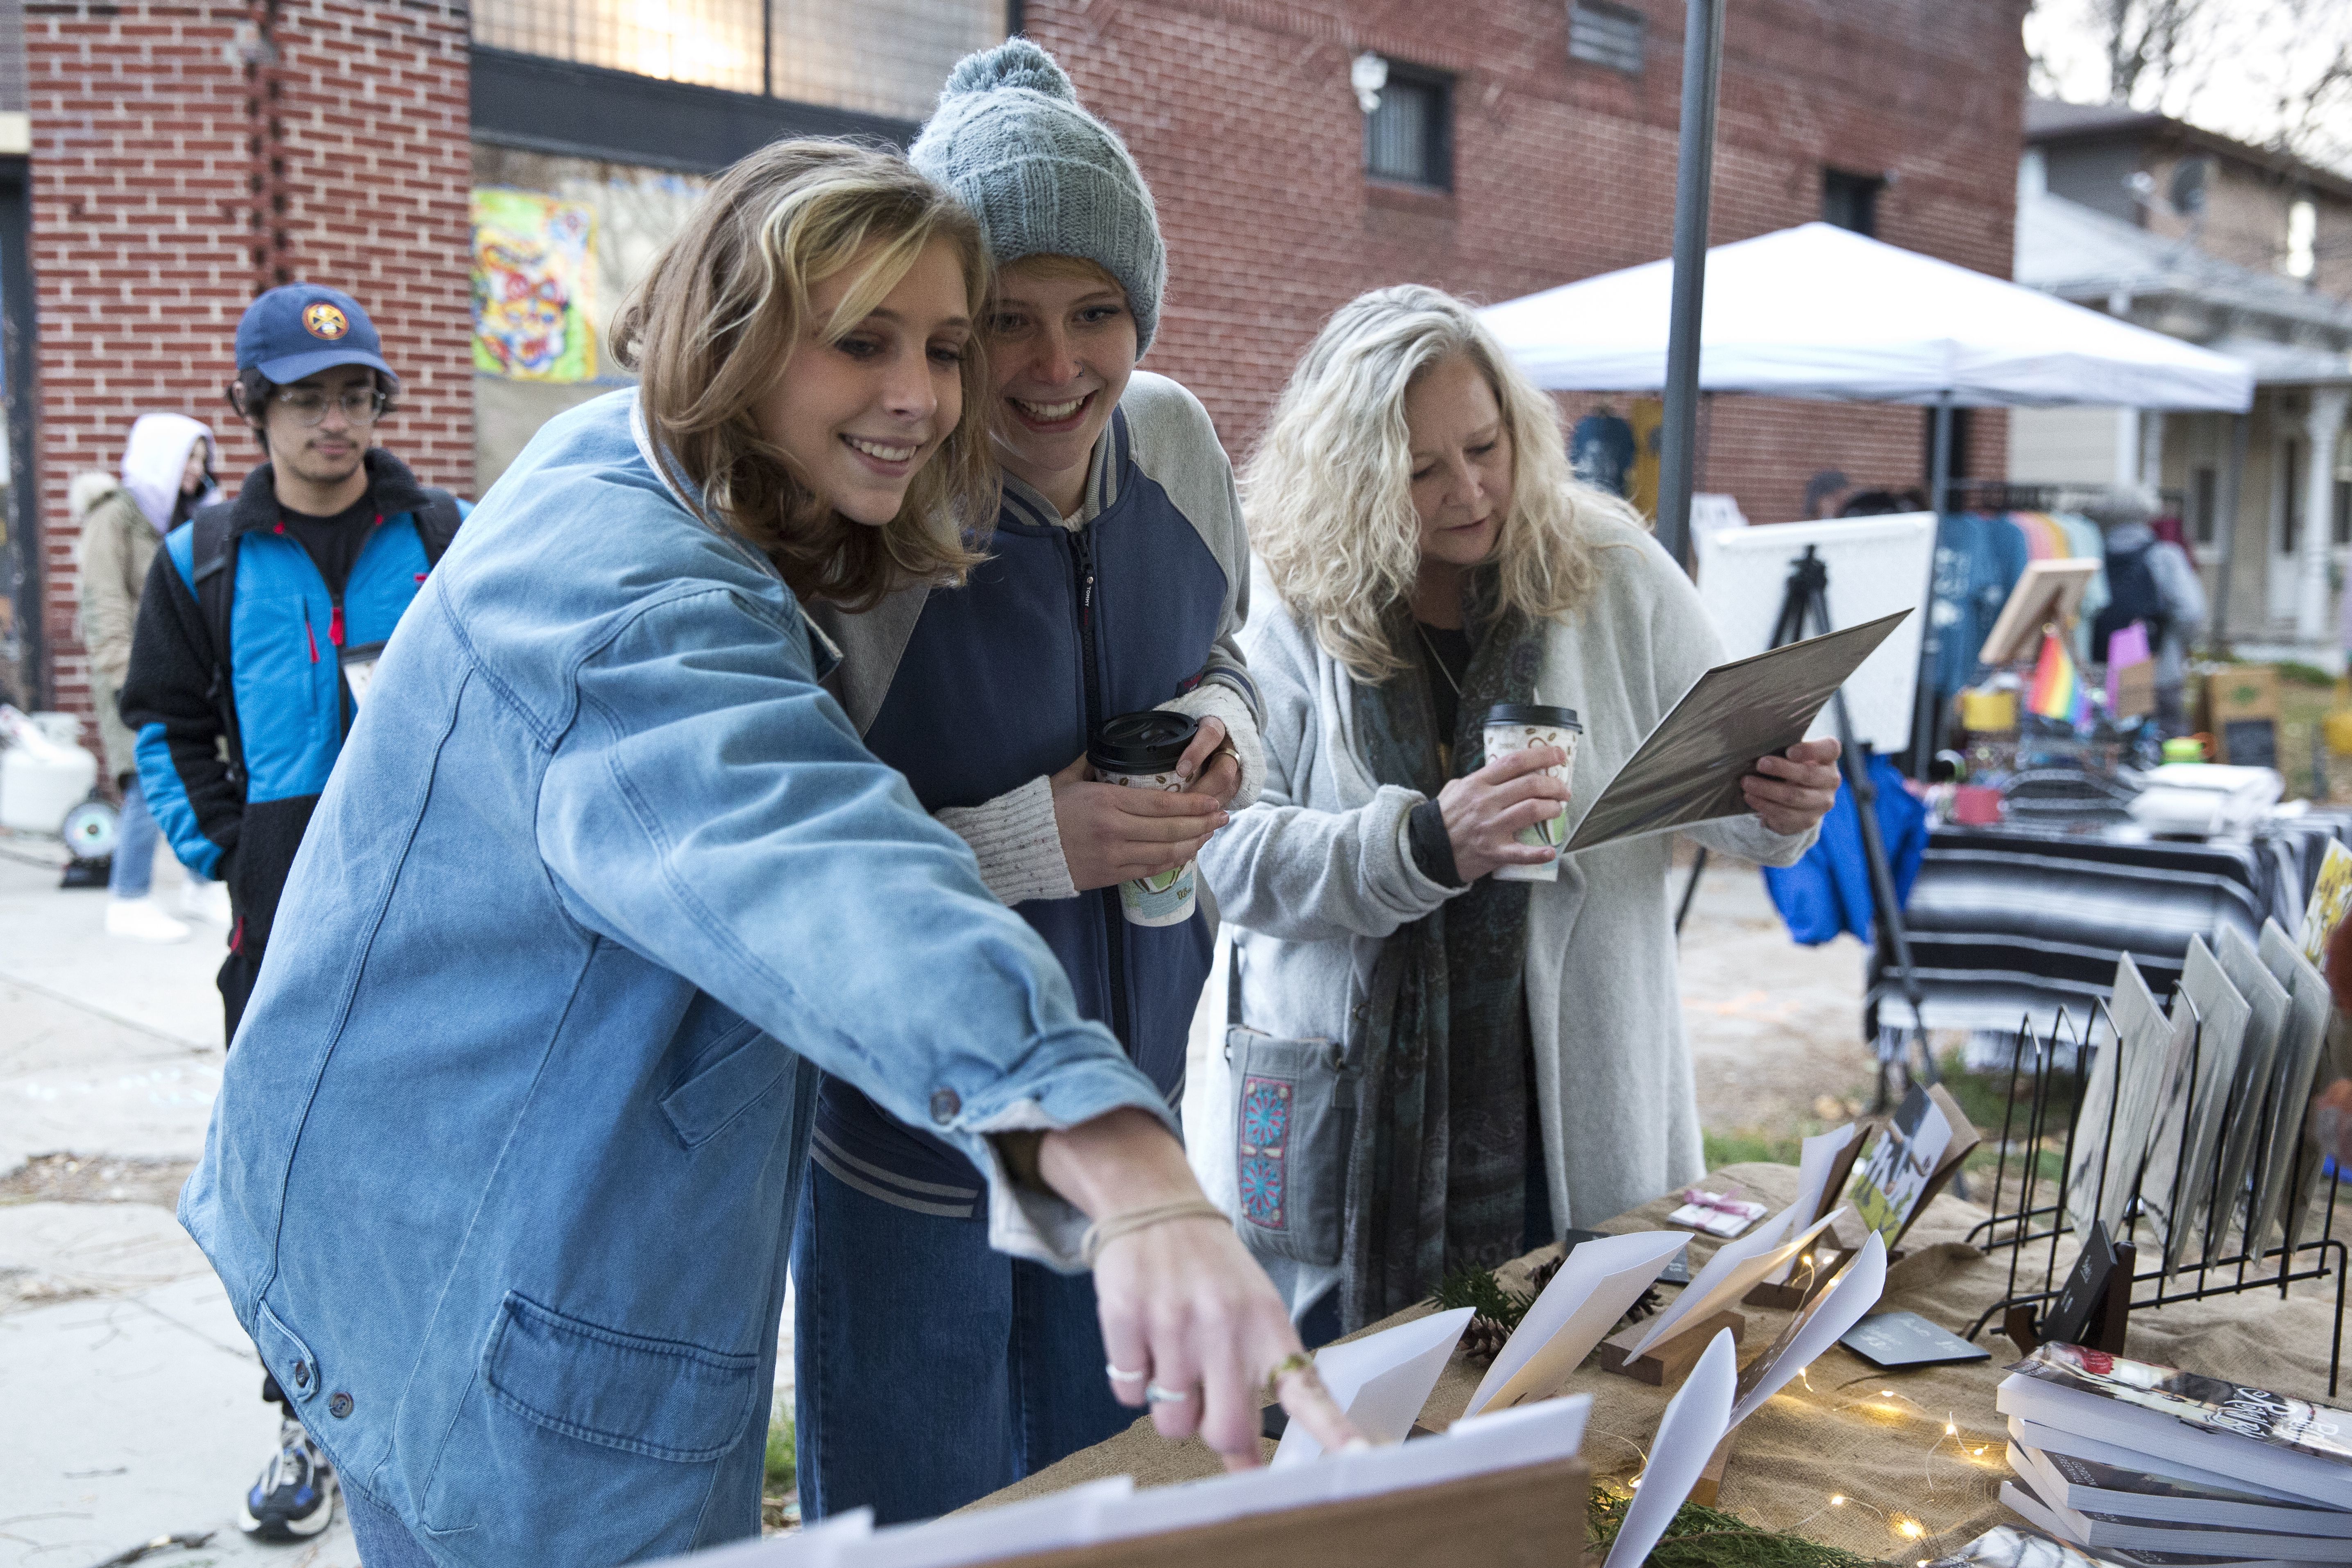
[1016, 62]
[1044, 176]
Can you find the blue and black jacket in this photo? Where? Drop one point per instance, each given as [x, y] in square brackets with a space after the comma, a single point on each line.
[234, 743]
[974, 692]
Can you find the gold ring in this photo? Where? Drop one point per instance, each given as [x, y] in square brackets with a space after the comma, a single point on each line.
[1296, 1361]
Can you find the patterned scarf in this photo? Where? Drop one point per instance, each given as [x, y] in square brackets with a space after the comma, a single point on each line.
[1440, 1183]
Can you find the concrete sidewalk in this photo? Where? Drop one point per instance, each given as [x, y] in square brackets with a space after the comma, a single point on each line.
[133, 1397]
[106, 1046]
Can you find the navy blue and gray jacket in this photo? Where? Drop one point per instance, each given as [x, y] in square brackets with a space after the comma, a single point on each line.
[232, 777]
[979, 693]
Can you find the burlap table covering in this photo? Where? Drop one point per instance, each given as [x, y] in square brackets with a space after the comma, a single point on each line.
[1912, 1489]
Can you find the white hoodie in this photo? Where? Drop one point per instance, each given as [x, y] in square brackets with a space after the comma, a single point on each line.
[155, 458]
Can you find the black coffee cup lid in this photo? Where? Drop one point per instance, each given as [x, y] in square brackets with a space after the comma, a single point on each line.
[1534, 713]
[1147, 742]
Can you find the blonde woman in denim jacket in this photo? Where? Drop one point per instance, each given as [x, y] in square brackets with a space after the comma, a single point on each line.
[502, 1171]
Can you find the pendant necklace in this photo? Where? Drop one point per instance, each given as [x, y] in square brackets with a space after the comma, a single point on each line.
[1445, 746]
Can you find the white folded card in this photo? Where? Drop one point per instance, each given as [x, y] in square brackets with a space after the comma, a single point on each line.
[828, 1545]
[1505, 1440]
[1736, 1267]
[1112, 1509]
[1048, 1523]
[1595, 1285]
[1816, 1327]
[1821, 1152]
[1381, 1380]
[1694, 1422]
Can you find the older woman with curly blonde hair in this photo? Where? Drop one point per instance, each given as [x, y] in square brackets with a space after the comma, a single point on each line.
[1514, 1048]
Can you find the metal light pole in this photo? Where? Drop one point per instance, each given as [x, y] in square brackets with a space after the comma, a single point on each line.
[1694, 188]
[1940, 464]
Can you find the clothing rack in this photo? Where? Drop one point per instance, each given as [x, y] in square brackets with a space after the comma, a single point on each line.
[2220, 1268]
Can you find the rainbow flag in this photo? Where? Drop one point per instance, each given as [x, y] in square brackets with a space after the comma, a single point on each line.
[2059, 690]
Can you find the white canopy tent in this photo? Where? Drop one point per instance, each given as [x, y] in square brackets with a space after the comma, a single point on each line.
[1818, 312]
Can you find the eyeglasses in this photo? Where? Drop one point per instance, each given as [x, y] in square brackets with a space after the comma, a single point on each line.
[360, 405]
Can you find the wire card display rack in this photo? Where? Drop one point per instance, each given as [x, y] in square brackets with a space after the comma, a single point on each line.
[2217, 1257]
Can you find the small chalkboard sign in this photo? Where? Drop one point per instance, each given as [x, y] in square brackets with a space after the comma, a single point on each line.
[2250, 743]
[1896, 1339]
[2086, 1289]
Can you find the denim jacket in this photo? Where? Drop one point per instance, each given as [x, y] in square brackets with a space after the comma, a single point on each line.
[502, 1171]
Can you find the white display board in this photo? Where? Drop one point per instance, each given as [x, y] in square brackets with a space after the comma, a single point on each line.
[1876, 565]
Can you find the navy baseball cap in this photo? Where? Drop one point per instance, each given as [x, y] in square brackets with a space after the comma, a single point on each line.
[300, 329]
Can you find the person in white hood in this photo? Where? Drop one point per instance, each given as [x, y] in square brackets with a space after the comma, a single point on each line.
[167, 474]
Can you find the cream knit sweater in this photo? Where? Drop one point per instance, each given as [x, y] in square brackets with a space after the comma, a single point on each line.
[1319, 874]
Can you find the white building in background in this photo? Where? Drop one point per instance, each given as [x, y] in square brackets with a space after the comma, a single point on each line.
[2245, 253]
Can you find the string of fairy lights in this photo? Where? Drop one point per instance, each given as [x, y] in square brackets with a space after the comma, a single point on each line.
[1887, 1404]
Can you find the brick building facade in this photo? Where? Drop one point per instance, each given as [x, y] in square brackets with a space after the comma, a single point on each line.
[1241, 115]
[185, 155]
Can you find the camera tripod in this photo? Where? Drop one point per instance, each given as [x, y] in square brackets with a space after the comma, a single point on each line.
[1805, 611]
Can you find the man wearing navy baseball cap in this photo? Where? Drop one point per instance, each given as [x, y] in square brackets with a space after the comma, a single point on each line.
[256, 634]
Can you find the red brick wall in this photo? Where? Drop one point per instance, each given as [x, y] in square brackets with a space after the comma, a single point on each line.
[1241, 115]
[186, 157]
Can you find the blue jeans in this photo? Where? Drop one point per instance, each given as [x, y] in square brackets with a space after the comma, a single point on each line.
[384, 1541]
[135, 838]
[931, 1371]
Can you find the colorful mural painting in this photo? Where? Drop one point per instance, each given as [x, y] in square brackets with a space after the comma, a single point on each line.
[533, 318]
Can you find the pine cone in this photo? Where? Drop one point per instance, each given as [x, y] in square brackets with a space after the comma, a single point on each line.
[1483, 1339]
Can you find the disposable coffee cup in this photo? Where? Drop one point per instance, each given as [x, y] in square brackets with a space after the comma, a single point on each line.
[1514, 727]
[1140, 750]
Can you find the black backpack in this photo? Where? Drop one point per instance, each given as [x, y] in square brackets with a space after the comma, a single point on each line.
[2132, 595]
[214, 550]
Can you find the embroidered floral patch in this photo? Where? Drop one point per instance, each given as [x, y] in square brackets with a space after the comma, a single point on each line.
[1265, 1149]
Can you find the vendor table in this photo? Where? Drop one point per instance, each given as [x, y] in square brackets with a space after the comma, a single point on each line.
[1917, 1456]
[2012, 922]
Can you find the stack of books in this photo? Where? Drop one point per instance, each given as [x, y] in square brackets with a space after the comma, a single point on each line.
[2148, 1466]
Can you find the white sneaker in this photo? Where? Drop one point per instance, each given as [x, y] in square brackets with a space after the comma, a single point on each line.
[141, 920]
[207, 900]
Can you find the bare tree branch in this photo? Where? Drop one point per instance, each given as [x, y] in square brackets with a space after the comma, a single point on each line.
[2276, 73]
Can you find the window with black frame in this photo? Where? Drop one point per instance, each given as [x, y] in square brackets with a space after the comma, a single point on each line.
[1851, 201]
[2289, 486]
[1602, 34]
[2339, 525]
[1409, 135]
[877, 56]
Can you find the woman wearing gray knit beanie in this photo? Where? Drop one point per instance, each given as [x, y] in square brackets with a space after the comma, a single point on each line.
[932, 1371]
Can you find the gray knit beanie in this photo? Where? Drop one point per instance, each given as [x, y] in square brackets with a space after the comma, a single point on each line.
[1044, 176]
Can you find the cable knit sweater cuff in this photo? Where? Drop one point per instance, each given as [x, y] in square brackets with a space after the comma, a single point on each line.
[1215, 700]
[1016, 842]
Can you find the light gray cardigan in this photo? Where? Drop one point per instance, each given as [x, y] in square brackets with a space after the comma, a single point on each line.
[1319, 873]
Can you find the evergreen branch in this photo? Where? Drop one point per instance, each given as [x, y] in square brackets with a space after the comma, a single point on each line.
[1702, 1537]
